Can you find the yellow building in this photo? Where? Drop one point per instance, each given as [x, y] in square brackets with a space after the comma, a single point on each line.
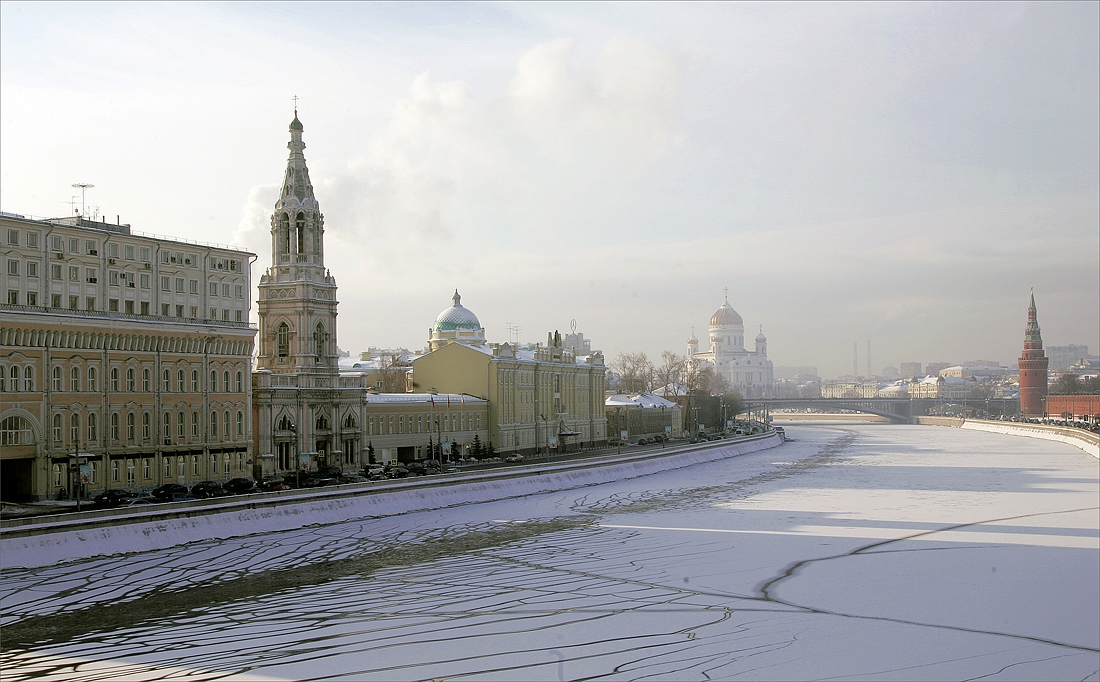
[130, 350]
[547, 397]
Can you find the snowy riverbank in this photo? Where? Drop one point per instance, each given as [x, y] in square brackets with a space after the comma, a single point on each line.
[42, 542]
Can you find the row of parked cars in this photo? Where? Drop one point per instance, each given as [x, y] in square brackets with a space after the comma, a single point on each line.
[326, 476]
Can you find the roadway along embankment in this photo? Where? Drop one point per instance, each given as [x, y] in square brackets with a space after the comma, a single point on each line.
[42, 541]
[1086, 440]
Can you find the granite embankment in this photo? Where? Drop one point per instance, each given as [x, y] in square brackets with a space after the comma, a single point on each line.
[42, 541]
[1086, 440]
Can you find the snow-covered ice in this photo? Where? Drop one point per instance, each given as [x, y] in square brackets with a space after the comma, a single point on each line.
[855, 552]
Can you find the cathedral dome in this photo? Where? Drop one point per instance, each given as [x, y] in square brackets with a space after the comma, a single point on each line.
[296, 124]
[457, 317]
[760, 338]
[725, 316]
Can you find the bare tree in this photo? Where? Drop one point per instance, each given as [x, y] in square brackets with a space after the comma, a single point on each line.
[634, 370]
[393, 371]
[671, 371]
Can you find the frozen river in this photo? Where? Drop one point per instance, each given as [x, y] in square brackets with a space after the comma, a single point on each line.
[854, 552]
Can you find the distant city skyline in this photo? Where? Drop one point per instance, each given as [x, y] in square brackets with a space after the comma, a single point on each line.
[894, 173]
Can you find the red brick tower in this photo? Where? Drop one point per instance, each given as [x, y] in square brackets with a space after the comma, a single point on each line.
[1033, 368]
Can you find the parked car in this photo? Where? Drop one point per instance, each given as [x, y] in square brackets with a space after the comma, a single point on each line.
[207, 489]
[375, 472]
[239, 486]
[113, 498]
[138, 502]
[330, 472]
[353, 478]
[274, 483]
[397, 472]
[514, 459]
[416, 468]
[166, 491]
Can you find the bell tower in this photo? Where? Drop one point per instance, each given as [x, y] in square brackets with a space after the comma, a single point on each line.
[297, 295]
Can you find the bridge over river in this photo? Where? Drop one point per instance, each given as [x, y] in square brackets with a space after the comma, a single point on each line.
[900, 410]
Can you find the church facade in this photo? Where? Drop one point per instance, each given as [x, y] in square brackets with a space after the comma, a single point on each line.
[306, 414]
[749, 372]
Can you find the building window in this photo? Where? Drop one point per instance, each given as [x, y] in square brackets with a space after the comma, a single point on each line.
[194, 381]
[32, 240]
[146, 377]
[130, 427]
[13, 297]
[57, 378]
[167, 381]
[91, 379]
[146, 468]
[226, 425]
[194, 286]
[128, 251]
[115, 471]
[74, 379]
[57, 428]
[194, 465]
[114, 427]
[129, 379]
[13, 267]
[213, 426]
[92, 435]
[13, 385]
[225, 463]
[13, 237]
[240, 423]
[180, 385]
[144, 279]
[28, 378]
[146, 424]
[282, 340]
[225, 382]
[129, 472]
[213, 381]
[166, 432]
[74, 429]
[240, 382]
[195, 425]
[167, 467]
[181, 428]
[32, 298]
[181, 467]
[179, 285]
[57, 475]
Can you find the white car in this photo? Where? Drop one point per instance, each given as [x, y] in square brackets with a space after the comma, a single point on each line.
[513, 459]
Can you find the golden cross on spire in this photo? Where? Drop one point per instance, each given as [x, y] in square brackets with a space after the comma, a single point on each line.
[727, 293]
[295, 98]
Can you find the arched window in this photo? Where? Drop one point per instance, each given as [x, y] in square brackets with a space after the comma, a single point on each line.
[114, 379]
[226, 424]
[225, 382]
[74, 379]
[130, 386]
[213, 425]
[240, 381]
[181, 427]
[57, 428]
[14, 378]
[114, 426]
[92, 379]
[180, 386]
[166, 432]
[74, 429]
[240, 423]
[285, 424]
[57, 378]
[349, 422]
[130, 427]
[92, 429]
[319, 342]
[300, 228]
[181, 466]
[213, 381]
[194, 381]
[283, 233]
[57, 475]
[167, 467]
[28, 378]
[194, 424]
[146, 378]
[146, 426]
[167, 381]
[282, 340]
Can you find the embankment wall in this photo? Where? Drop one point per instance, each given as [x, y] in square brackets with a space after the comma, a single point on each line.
[1087, 441]
[45, 541]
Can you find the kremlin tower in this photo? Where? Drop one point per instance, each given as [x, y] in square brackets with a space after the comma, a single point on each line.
[1033, 368]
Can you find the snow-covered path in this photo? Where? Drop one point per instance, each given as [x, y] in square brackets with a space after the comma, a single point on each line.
[869, 552]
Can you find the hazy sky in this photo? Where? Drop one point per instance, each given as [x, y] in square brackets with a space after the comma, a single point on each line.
[901, 173]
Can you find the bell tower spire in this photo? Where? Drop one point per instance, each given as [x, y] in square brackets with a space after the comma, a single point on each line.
[297, 306]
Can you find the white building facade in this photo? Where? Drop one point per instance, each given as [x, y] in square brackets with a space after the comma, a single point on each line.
[749, 372]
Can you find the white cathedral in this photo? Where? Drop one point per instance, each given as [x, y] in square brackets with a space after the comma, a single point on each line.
[748, 372]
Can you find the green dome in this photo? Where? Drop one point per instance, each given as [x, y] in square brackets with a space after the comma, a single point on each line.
[296, 124]
[457, 317]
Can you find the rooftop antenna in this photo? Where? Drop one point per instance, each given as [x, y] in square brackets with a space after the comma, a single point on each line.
[84, 187]
[72, 204]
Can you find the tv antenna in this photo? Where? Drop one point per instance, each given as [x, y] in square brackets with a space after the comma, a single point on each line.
[83, 187]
